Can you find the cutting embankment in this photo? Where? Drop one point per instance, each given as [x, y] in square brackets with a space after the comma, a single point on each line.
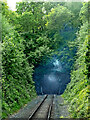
[76, 93]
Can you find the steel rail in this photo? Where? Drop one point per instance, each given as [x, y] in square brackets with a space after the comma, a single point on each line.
[50, 109]
[31, 116]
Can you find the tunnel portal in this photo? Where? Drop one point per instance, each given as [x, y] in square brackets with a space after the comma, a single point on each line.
[51, 78]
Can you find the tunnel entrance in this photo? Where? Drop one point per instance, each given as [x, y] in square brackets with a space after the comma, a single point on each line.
[51, 78]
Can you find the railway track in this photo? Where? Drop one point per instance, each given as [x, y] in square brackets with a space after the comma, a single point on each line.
[44, 109]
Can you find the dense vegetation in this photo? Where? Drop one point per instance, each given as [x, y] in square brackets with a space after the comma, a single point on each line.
[77, 90]
[34, 31]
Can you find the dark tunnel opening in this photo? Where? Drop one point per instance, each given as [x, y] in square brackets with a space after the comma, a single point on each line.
[51, 78]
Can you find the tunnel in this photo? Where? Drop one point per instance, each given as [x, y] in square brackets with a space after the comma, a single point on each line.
[53, 75]
[51, 78]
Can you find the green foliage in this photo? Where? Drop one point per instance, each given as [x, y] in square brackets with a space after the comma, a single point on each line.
[19, 55]
[56, 20]
[31, 33]
[17, 85]
[58, 17]
[76, 93]
[30, 17]
[32, 29]
[84, 16]
[75, 8]
[10, 15]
